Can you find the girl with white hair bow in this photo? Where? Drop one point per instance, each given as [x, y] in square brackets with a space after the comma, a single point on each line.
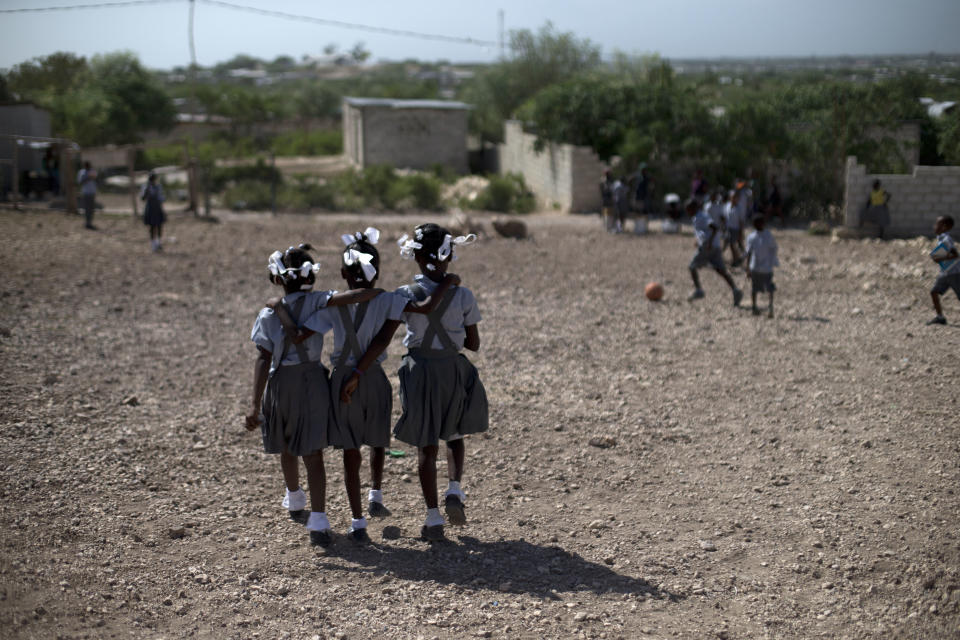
[291, 391]
[366, 420]
[441, 392]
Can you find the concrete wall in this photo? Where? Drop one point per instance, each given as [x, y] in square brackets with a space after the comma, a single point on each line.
[916, 199]
[561, 174]
[411, 138]
[22, 120]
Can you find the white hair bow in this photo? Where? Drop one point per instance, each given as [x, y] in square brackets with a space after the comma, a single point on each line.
[370, 234]
[407, 246]
[352, 257]
[275, 265]
[446, 249]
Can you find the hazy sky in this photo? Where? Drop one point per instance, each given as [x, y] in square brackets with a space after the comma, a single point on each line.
[672, 28]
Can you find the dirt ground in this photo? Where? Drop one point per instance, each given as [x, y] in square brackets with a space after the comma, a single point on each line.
[662, 470]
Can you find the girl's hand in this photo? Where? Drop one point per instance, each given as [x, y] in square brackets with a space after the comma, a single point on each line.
[252, 420]
[349, 386]
[453, 278]
[273, 303]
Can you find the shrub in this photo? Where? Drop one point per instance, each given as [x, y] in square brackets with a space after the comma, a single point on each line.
[425, 191]
[259, 172]
[245, 196]
[507, 193]
[322, 142]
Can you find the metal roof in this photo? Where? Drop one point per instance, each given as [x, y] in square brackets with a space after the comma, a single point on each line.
[391, 103]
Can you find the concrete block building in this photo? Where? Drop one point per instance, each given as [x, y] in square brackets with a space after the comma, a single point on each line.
[407, 134]
[22, 119]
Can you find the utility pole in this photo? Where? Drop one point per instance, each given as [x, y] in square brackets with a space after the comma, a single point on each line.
[500, 21]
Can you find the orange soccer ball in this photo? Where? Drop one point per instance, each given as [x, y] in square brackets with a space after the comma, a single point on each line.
[653, 291]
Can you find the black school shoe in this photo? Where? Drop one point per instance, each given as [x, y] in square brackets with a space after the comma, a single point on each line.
[432, 534]
[321, 538]
[358, 535]
[453, 505]
[377, 510]
[300, 516]
[938, 320]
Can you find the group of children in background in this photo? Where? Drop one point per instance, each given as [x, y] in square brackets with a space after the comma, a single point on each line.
[301, 407]
[718, 222]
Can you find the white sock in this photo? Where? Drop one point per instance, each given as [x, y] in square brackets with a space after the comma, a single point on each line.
[358, 523]
[318, 521]
[433, 518]
[453, 489]
[376, 495]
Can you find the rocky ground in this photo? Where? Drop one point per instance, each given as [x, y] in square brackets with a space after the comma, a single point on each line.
[652, 469]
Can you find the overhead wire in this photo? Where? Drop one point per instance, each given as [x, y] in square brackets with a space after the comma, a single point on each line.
[283, 15]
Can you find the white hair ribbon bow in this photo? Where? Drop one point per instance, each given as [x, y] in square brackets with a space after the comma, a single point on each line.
[370, 234]
[407, 246]
[446, 249]
[276, 268]
[352, 257]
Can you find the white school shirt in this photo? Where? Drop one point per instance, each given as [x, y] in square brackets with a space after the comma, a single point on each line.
[461, 313]
[762, 249]
[715, 210]
[948, 242]
[268, 331]
[703, 226]
[88, 188]
[386, 306]
[732, 215]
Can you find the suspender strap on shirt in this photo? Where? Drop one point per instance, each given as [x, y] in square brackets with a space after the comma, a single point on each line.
[436, 330]
[351, 344]
[294, 314]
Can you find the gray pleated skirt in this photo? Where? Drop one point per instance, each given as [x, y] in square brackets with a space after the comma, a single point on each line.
[442, 398]
[296, 409]
[366, 420]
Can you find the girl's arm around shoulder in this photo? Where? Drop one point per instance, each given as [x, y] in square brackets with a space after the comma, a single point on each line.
[430, 302]
[353, 296]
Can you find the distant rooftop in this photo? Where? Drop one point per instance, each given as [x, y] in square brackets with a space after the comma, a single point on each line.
[406, 104]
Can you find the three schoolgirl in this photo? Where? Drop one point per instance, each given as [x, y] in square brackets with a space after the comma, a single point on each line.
[297, 424]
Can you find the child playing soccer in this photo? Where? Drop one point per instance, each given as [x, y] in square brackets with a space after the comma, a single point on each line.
[291, 392]
[761, 258]
[945, 255]
[709, 251]
[440, 390]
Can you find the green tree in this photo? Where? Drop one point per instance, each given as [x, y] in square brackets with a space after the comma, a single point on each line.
[536, 62]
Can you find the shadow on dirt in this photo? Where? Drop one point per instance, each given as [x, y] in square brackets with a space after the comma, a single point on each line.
[507, 566]
[819, 319]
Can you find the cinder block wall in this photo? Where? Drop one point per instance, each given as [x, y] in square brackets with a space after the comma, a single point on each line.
[916, 199]
[563, 174]
[414, 138]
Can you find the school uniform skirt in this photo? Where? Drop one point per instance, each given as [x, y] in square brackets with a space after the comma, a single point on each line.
[296, 409]
[153, 215]
[441, 396]
[366, 420]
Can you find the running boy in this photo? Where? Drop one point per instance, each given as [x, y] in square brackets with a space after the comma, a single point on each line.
[761, 258]
[945, 255]
[709, 251]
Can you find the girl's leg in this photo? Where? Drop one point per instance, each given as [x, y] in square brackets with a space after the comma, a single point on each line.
[455, 455]
[770, 312]
[696, 279]
[351, 479]
[427, 470]
[153, 232]
[753, 298]
[317, 477]
[377, 457]
[159, 231]
[291, 471]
